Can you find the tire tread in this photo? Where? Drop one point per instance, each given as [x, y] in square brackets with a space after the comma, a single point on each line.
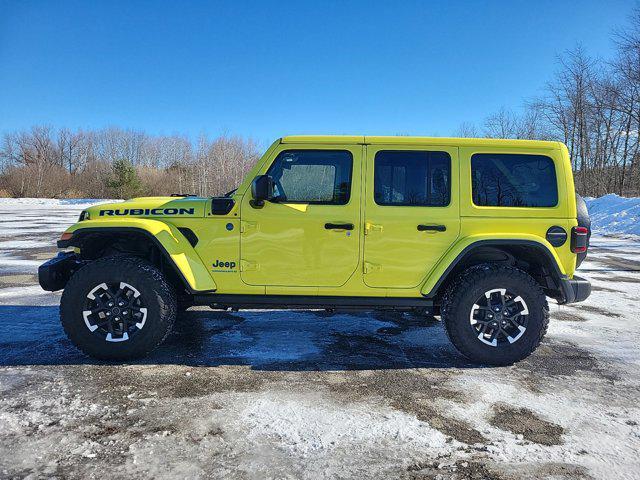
[453, 296]
[163, 293]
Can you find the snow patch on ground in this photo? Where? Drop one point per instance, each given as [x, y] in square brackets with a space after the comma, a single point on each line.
[22, 244]
[16, 292]
[14, 265]
[312, 423]
[612, 214]
[35, 203]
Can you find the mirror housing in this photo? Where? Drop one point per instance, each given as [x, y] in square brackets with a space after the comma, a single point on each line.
[261, 190]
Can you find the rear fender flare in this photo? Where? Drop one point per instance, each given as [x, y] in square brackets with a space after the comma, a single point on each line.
[438, 275]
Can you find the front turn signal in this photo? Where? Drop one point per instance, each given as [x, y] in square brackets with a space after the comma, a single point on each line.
[66, 236]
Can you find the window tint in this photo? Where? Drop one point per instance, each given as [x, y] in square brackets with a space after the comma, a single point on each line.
[412, 178]
[507, 180]
[312, 176]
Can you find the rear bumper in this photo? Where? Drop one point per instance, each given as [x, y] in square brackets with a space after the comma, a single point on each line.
[55, 273]
[575, 289]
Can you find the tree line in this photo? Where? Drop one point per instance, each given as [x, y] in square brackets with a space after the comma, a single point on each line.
[118, 163]
[590, 104]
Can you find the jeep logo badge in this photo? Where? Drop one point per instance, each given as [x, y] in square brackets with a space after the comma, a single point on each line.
[222, 266]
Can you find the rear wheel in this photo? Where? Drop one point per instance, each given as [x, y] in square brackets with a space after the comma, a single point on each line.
[118, 308]
[495, 315]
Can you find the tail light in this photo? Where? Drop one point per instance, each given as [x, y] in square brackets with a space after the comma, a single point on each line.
[579, 239]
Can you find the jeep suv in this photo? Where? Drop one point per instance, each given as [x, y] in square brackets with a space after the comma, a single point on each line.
[477, 231]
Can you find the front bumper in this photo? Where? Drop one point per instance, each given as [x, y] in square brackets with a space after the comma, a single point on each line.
[575, 289]
[55, 273]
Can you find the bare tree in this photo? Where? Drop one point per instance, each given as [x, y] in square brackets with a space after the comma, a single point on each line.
[467, 130]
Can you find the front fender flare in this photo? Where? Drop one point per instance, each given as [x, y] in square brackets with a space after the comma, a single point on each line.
[169, 240]
[439, 273]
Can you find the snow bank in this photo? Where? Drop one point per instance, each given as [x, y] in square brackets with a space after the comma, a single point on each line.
[613, 214]
[52, 202]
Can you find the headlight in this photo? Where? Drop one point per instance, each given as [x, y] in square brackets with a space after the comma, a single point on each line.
[84, 215]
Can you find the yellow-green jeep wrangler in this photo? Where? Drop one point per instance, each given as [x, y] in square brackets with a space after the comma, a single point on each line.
[477, 231]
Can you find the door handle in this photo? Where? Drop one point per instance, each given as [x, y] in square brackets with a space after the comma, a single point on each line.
[338, 226]
[432, 228]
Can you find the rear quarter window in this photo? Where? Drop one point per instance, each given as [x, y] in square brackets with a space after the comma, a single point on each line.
[513, 180]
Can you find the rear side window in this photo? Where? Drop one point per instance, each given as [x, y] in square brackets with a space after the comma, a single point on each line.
[320, 177]
[511, 180]
[412, 178]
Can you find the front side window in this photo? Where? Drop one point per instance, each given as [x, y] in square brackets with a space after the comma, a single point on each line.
[512, 180]
[312, 176]
[412, 178]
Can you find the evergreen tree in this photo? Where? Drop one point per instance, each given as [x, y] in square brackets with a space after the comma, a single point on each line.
[124, 181]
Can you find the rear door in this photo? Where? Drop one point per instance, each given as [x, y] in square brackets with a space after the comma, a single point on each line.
[411, 212]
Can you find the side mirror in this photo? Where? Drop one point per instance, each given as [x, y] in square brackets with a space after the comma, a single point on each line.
[261, 190]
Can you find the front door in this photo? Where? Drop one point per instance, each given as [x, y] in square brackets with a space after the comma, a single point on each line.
[308, 235]
[411, 212]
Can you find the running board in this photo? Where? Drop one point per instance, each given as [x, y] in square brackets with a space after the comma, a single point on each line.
[289, 302]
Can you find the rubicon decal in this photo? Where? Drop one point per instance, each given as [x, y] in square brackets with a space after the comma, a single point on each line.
[148, 211]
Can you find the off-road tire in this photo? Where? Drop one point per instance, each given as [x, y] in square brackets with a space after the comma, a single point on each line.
[158, 294]
[459, 299]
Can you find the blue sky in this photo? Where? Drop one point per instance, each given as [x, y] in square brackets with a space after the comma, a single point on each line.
[272, 68]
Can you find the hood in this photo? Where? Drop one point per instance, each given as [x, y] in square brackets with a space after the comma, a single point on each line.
[183, 207]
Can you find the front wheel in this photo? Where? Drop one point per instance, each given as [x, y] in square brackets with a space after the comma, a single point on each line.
[118, 308]
[495, 315]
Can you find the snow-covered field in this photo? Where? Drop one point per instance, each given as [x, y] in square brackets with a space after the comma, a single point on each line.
[311, 395]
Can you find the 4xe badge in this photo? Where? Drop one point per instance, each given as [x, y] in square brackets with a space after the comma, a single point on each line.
[222, 266]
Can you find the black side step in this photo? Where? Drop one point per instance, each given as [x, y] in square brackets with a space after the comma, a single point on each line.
[289, 302]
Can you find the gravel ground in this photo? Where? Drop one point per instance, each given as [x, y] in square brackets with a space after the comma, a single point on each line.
[278, 394]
